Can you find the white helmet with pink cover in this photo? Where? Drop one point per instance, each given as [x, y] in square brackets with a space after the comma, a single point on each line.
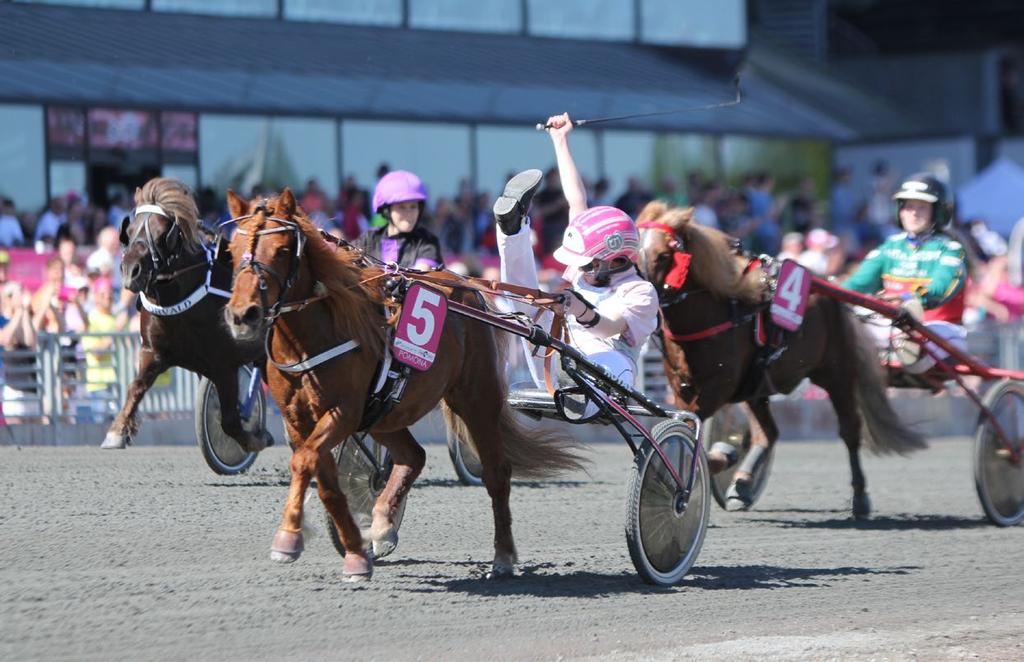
[599, 233]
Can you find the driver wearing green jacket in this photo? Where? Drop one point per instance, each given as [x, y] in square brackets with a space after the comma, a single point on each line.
[922, 262]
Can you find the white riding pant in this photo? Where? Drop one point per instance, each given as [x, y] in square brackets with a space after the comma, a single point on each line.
[519, 268]
[885, 335]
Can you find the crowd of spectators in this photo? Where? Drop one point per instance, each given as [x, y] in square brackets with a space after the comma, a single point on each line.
[76, 244]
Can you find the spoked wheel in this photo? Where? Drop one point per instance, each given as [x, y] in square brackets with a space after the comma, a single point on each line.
[221, 452]
[664, 534]
[729, 424]
[362, 483]
[1000, 482]
[464, 460]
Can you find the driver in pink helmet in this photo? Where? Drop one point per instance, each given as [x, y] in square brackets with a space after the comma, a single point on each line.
[400, 197]
[612, 310]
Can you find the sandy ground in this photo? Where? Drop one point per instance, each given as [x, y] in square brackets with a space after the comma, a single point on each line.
[144, 554]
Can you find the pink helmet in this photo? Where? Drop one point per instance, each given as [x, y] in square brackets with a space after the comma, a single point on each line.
[602, 233]
[398, 186]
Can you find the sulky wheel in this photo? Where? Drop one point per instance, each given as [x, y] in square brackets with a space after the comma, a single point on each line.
[221, 452]
[731, 425]
[464, 460]
[1000, 481]
[362, 483]
[664, 534]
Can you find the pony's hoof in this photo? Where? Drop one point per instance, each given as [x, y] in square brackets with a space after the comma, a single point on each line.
[737, 497]
[114, 440]
[861, 507]
[286, 547]
[500, 571]
[357, 568]
[385, 544]
[721, 456]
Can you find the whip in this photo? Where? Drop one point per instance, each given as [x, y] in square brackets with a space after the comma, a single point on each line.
[710, 106]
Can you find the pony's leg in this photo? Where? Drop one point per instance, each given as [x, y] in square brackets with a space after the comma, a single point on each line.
[482, 412]
[126, 424]
[358, 565]
[763, 435]
[409, 459]
[226, 381]
[845, 405]
[312, 455]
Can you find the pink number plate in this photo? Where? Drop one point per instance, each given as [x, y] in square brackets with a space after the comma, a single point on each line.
[419, 327]
[790, 298]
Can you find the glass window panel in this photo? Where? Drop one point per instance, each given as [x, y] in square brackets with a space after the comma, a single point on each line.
[476, 15]
[65, 127]
[628, 154]
[788, 161]
[303, 149]
[219, 7]
[23, 156]
[67, 177]
[186, 173]
[240, 152]
[504, 151]
[596, 19]
[115, 4]
[438, 153]
[361, 12]
[676, 157]
[122, 129]
[721, 24]
[178, 131]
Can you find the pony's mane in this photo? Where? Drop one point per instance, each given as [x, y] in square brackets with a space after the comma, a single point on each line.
[176, 199]
[715, 263]
[353, 303]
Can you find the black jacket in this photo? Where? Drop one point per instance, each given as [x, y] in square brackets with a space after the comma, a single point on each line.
[420, 245]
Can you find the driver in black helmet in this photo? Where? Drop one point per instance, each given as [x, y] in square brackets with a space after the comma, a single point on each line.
[921, 265]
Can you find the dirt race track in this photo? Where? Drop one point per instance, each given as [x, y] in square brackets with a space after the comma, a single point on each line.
[145, 554]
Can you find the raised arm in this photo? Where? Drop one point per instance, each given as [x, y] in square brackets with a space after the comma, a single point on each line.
[572, 184]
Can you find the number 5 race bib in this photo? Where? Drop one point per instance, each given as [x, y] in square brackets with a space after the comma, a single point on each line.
[419, 327]
[790, 298]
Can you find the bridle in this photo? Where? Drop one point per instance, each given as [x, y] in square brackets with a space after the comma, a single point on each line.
[669, 294]
[248, 261]
[171, 239]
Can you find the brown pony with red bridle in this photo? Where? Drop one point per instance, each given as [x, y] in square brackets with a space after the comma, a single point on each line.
[711, 299]
[311, 300]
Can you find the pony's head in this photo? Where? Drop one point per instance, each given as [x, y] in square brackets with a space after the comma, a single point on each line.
[266, 254]
[677, 253]
[663, 258]
[158, 231]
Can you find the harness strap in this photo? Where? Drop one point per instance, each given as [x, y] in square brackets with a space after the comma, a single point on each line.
[191, 300]
[313, 361]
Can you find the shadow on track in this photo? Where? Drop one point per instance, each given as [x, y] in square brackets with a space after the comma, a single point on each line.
[536, 580]
[896, 522]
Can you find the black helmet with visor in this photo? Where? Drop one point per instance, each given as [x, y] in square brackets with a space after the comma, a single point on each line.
[927, 188]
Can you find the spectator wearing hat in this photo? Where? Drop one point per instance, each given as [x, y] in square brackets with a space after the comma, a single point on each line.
[820, 243]
[11, 234]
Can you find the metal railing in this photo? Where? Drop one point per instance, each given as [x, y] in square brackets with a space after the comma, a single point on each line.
[68, 378]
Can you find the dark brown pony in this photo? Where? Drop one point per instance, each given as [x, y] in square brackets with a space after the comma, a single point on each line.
[721, 290]
[165, 261]
[280, 258]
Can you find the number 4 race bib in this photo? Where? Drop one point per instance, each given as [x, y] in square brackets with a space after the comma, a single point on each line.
[790, 298]
[419, 327]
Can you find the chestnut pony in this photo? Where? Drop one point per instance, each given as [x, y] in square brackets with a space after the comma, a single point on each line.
[311, 296]
[703, 284]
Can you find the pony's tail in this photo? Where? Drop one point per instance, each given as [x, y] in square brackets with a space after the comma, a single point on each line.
[531, 453]
[883, 431]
